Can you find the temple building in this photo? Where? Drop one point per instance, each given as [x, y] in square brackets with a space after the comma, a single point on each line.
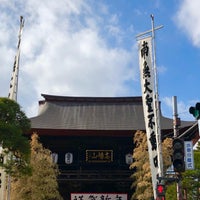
[91, 139]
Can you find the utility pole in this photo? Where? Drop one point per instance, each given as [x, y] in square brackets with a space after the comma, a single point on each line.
[176, 124]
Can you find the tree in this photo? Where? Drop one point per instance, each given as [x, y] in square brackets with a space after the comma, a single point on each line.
[13, 125]
[171, 192]
[167, 152]
[42, 184]
[142, 176]
[142, 181]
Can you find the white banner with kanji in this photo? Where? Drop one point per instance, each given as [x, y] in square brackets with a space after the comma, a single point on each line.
[148, 98]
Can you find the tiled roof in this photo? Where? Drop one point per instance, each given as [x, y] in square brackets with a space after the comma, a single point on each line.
[93, 113]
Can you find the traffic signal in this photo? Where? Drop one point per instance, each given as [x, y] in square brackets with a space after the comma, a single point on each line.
[195, 111]
[178, 155]
[160, 190]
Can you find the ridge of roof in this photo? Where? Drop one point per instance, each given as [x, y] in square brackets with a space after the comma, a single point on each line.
[56, 98]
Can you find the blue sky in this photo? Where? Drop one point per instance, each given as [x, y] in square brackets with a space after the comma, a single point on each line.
[89, 48]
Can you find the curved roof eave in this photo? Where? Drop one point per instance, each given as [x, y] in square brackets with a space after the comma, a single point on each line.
[94, 113]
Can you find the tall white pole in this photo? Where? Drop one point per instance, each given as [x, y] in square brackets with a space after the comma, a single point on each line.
[14, 79]
[157, 106]
[14, 88]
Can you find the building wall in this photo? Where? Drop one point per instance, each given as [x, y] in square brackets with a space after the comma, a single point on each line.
[98, 163]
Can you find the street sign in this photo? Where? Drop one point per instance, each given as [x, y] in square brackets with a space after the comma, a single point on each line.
[189, 155]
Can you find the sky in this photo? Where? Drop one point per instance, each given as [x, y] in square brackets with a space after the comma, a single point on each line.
[89, 48]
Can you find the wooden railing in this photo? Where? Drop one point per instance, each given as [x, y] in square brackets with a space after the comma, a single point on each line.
[97, 175]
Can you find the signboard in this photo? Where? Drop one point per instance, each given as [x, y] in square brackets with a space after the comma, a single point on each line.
[189, 155]
[99, 156]
[98, 196]
[148, 99]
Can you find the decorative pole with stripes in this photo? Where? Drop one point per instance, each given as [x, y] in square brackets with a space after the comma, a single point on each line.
[12, 95]
[14, 79]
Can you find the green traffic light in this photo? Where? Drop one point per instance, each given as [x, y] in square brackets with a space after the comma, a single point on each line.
[195, 111]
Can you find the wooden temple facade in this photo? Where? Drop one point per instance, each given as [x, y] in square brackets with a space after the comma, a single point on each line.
[91, 139]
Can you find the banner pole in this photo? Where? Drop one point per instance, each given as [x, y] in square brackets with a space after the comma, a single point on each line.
[157, 109]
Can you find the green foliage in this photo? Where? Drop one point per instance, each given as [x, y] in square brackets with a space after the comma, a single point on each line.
[42, 184]
[11, 113]
[191, 179]
[171, 192]
[13, 125]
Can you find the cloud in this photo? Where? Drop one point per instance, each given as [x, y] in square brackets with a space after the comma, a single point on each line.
[182, 108]
[161, 69]
[188, 20]
[66, 51]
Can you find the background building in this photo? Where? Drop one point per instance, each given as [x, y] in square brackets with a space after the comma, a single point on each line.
[91, 139]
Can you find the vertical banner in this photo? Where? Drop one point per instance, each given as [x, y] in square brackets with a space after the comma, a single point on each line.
[189, 155]
[147, 86]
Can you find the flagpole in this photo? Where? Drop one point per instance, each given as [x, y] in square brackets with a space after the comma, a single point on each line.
[14, 88]
[151, 108]
[14, 79]
[158, 129]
